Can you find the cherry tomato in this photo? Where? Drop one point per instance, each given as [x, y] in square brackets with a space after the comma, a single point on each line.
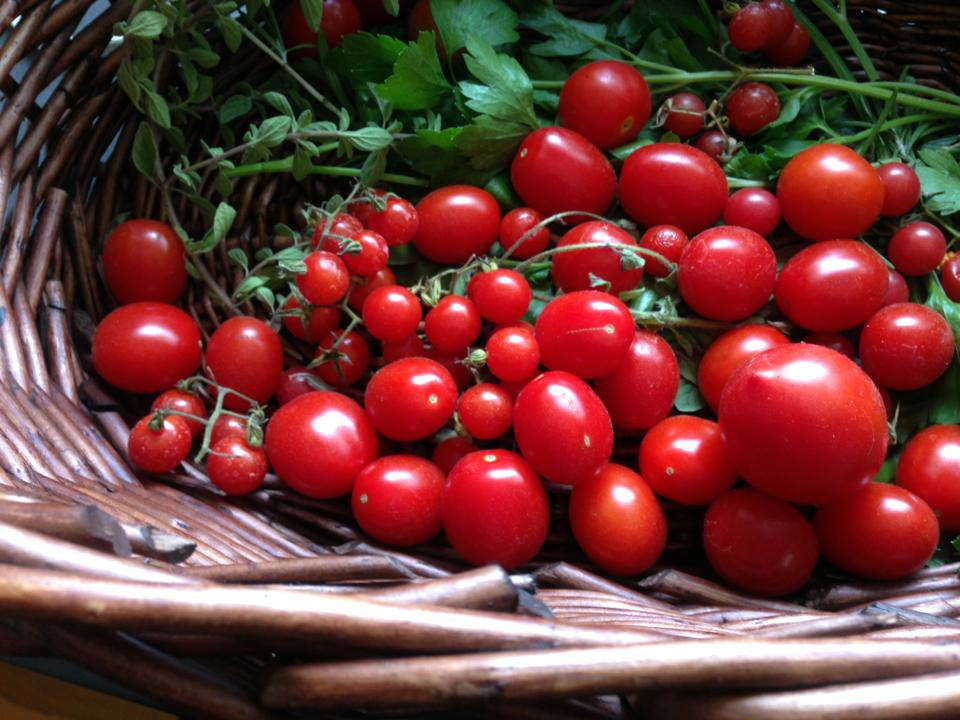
[641, 391]
[759, 543]
[750, 28]
[183, 402]
[345, 365]
[486, 411]
[834, 341]
[804, 423]
[882, 532]
[333, 232]
[452, 324]
[513, 354]
[751, 107]
[586, 333]
[906, 346]
[728, 353]
[411, 398]
[146, 347]
[396, 499]
[617, 521]
[949, 278]
[669, 241]
[753, 208]
[494, 509]
[794, 48]
[930, 468]
[448, 452]
[397, 223]
[901, 188]
[832, 285]
[456, 223]
[312, 324]
[917, 248]
[515, 224]
[391, 313]
[897, 290]
[558, 170]
[421, 20]
[228, 426]
[562, 428]
[326, 279]
[626, 102]
[572, 269]
[685, 118]
[500, 296]
[411, 347]
[235, 467]
[453, 363]
[340, 17]
[658, 181]
[143, 260]
[716, 145]
[727, 273]
[361, 292]
[159, 451]
[373, 255]
[294, 382]
[781, 22]
[828, 191]
[245, 355]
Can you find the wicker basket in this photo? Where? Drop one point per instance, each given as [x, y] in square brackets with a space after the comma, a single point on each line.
[253, 608]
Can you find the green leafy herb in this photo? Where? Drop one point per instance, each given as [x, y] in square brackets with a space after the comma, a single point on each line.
[940, 179]
[459, 20]
[417, 82]
[565, 37]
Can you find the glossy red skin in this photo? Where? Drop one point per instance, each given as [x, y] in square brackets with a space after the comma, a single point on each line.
[514, 225]
[486, 411]
[751, 107]
[906, 346]
[159, 451]
[392, 313]
[930, 468]
[350, 363]
[501, 296]
[750, 27]
[794, 49]
[227, 426]
[183, 402]
[834, 341]
[901, 188]
[781, 21]
[143, 261]
[453, 362]
[917, 248]
[586, 333]
[331, 233]
[828, 191]
[617, 521]
[396, 499]
[831, 286]
[235, 467]
[321, 321]
[883, 532]
[727, 273]
[753, 208]
[293, 383]
[340, 17]
[245, 355]
[456, 223]
[684, 125]
[411, 347]
[326, 279]
[897, 289]
[562, 428]
[448, 452]
[411, 398]
[373, 256]
[452, 324]
[658, 181]
[725, 355]
[360, 293]
[641, 391]
[558, 170]
[683, 459]
[804, 423]
[714, 144]
[572, 269]
[398, 223]
[669, 241]
[949, 279]
[494, 509]
[758, 543]
[146, 347]
[513, 354]
[626, 102]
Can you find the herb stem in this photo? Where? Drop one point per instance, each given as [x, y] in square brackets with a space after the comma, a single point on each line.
[285, 165]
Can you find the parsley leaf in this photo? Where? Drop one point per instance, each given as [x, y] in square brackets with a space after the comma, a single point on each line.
[506, 94]
[565, 37]
[457, 20]
[417, 82]
[490, 143]
[364, 57]
[940, 180]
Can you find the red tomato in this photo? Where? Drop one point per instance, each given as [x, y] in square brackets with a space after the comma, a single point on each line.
[501, 296]
[183, 402]
[949, 278]
[750, 28]
[685, 118]
[235, 467]
[794, 49]
[658, 181]
[728, 353]
[558, 170]
[228, 426]
[669, 241]
[834, 341]
[804, 424]
[333, 232]
[751, 107]
[146, 347]
[372, 256]
[562, 428]
[345, 365]
[753, 208]
[456, 223]
[453, 363]
[411, 398]
[917, 248]
[897, 290]
[494, 509]
[513, 354]
[361, 292]
[882, 532]
[421, 20]
[340, 17]
[683, 459]
[641, 391]
[397, 223]
[293, 383]
[319, 442]
[832, 286]
[781, 22]
[759, 543]
[727, 273]
[244, 354]
[391, 313]
[325, 280]
[515, 225]
[453, 324]
[930, 468]
[572, 269]
[716, 145]
[828, 191]
[906, 346]
[617, 521]
[312, 324]
[626, 102]
[396, 499]
[411, 347]
[143, 260]
[586, 333]
[159, 451]
[449, 452]
[486, 411]
[901, 188]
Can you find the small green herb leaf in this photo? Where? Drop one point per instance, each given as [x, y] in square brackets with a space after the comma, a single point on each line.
[367, 58]
[145, 151]
[156, 107]
[236, 106]
[940, 179]
[146, 24]
[417, 82]
[688, 398]
[506, 94]
[490, 20]
[312, 13]
[565, 37]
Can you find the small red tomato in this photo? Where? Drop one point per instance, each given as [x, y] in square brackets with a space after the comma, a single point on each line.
[392, 313]
[396, 499]
[397, 223]
[411, 398]
[949, 278]
[311, 324]
[897, 289]
[725, 355]
[751, 107]
[340, 17]
[456, 223]
[244, 354]
[753, 208]
[500, 296]
[361, 292]
[228, 426]
[626, 102]
[667, 240]
[235, 467]
[326, 279]
[293, 383]
[183, 402]
[617, 521]
[143, 260]
[716, 145]
[448, 452]
[581, 269]
[453, 363]
[452, 324]
[781, 21]
[930, 468]
[161, 450]
[515, 225]
[347, 363]
[513, 354]
[373, 254]
[333, 232]
[411, 347]
[906, 346]
[750, 28]
[834, 341]
[917, 248]
[794, 48]
[685, 118]
[901, 188]
[486, 411]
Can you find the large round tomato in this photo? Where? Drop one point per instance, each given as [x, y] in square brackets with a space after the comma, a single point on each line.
[494, 509]
[727, 353]
[245, 355]
[673, 184]
[146, 347]
[930, 468]
[557, 170]
[319, 442]
[410, 398]
[832, 286]
[626, 102]
[906, 346]
[562, 428]
[828, 191]
[456, 222]
[143, 261]
[578, 269]
[804, 423]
